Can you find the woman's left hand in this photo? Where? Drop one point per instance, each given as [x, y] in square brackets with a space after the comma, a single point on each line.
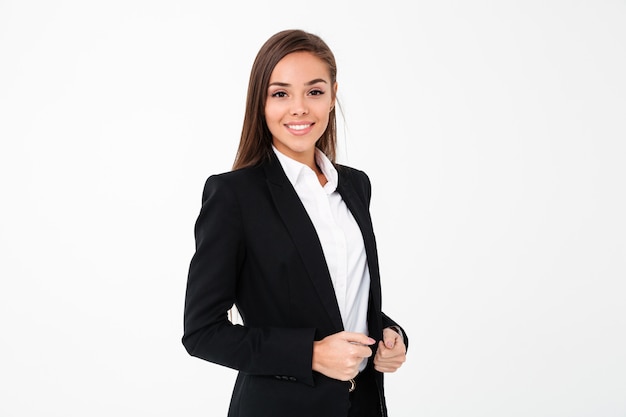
[391, 353]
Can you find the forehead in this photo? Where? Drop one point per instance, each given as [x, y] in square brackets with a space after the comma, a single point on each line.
[300, 66]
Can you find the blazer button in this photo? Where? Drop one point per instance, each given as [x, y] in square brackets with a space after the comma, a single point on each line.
[277, 377]
[292, 378]
[286, 378]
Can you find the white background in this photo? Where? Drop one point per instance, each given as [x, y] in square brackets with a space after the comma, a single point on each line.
[494, 134]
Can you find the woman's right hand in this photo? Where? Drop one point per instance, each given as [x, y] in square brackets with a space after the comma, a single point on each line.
[339, 355]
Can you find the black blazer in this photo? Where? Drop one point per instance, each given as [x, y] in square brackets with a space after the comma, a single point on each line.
[257, 247]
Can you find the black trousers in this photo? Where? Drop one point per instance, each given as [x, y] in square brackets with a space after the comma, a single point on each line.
[364, 400]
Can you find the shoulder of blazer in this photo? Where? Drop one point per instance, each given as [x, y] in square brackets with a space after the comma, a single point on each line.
[229, 187]
[236, 179]
[357, 180]
[241, 174]
[268, 169]
[245, 184]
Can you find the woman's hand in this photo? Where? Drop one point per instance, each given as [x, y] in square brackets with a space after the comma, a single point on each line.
[339, 355]
[391, 353]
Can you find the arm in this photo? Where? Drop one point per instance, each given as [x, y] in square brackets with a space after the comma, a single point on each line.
[211, 291]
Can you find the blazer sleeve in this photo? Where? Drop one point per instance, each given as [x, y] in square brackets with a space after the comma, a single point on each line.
[211, 292]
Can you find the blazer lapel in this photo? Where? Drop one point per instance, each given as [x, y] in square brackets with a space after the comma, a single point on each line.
[360, 211]
[303, 234]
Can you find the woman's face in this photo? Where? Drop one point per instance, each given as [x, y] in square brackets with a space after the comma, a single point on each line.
[299, 99]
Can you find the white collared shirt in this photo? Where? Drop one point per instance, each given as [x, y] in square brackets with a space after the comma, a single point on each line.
[339, 235]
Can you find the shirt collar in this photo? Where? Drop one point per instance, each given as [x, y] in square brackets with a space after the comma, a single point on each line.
[293, 169]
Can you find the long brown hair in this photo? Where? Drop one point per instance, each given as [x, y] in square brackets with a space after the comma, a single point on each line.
[255, 144]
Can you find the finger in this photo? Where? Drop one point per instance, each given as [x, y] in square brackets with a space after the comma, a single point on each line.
[359, 339]
[384, 346]
[389, 354]
[381, 347]
[390, 337]
[360, 350]
[388, 365]
[387, 370]
[365, 352]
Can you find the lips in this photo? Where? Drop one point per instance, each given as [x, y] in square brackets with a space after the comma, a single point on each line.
[299, 128]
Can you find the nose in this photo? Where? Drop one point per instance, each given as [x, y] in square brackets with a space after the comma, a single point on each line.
[299, 107]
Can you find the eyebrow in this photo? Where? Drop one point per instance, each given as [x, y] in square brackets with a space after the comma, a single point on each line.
[315, 81]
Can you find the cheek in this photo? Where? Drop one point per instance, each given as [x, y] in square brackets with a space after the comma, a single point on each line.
[272, 120]
[271, 114]
[325, 114]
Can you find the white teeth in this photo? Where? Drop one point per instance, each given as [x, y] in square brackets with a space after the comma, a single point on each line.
[298, 127]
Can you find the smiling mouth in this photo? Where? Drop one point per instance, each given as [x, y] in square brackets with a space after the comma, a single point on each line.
[299, 127]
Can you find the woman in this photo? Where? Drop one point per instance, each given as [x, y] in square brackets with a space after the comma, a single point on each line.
[287, 238]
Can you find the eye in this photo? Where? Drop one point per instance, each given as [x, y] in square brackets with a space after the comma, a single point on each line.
[316, 92]
[279, 94]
